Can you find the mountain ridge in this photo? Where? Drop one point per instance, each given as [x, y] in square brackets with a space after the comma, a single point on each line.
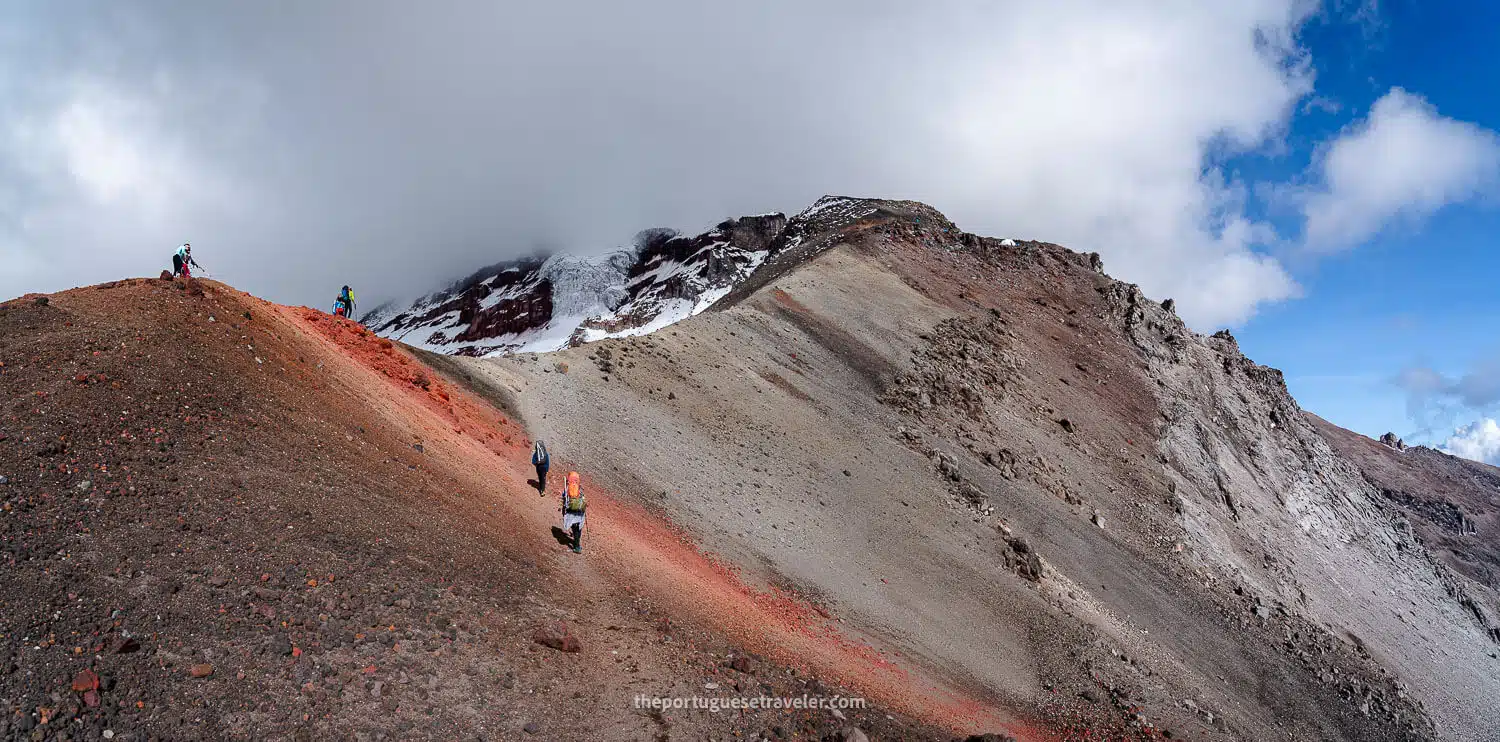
[975, 479]
[994, 455]
[544, 303]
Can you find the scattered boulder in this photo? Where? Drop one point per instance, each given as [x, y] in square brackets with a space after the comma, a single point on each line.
[1023, 560]
[1004, 460]
[1169, 305]
[557, 636]
[165, 275]
[85, 681]
[948, 467]
[125, 645]
[973, 495]
[1392, 441]
[42, 301]
[201, 670]
[532, 727]
[279, 646]
[1067, 425]
[851, 734]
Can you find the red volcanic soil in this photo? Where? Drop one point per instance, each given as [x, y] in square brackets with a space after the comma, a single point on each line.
[629, 546]
[254, 521]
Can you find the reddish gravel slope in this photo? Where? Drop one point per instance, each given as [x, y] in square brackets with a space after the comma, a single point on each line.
[224, 518]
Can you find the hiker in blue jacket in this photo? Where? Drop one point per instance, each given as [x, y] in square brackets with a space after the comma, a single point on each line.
[542, 462]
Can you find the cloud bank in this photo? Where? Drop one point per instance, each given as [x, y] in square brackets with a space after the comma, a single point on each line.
[1476, 388]
[301, 146]
[1478, 441]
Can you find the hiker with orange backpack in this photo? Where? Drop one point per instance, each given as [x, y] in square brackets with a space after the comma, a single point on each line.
[573, 505]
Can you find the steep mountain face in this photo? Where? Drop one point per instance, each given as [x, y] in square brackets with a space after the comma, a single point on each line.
[976, 482]
[1452, 504]
[1012, 469]
[542, 304]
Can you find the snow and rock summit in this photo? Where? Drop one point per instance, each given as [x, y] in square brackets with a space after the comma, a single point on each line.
[545, 303]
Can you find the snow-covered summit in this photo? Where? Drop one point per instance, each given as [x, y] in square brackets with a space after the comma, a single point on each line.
[542, 304]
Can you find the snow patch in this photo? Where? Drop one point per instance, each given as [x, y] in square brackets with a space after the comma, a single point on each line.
[624, 293]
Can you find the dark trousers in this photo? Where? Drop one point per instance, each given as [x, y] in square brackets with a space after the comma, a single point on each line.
[577, 537]
[541, 479]
[176, 265]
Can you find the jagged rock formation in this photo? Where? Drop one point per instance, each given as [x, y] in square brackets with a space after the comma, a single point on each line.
[540, 304]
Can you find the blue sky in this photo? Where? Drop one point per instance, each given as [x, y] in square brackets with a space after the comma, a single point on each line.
[1419, 295]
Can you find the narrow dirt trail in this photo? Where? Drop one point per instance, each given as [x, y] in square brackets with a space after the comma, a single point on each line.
[628, 549]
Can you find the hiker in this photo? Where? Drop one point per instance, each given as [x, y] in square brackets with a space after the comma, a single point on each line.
[182, 259]
[340, 309]
[573, 505]
[542, 462]
[346, 295]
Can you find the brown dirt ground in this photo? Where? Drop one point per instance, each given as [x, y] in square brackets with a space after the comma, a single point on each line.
[250, 521]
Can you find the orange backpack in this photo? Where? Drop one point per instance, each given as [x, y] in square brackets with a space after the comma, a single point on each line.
[575, 499]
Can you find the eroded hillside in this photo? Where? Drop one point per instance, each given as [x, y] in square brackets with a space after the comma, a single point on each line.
[226, 519]
[1027, 477]
[976, 482]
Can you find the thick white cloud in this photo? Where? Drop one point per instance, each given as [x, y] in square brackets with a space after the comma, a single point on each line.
[1405, 161]
[305, 145]
[1478, 441]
